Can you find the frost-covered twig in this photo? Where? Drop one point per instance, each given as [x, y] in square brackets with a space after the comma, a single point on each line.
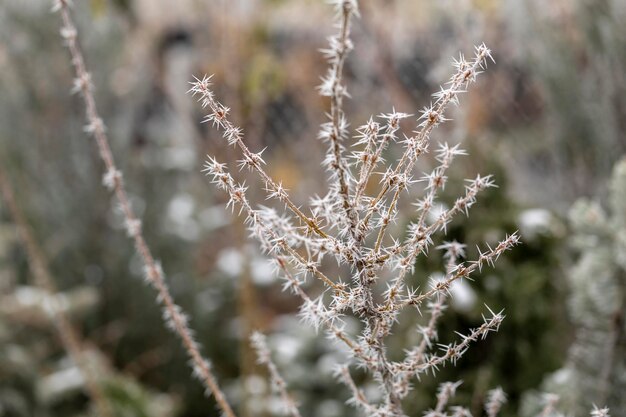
[259, 343]
[280, 240]
[370, 350]
[358, 398]
[453, 251]
[271, 242]
[317, 314]
[444, 394]
[361, 223]
[432, 116]
[335, 131]
[173, 315]
[461, 271]
[233, 134]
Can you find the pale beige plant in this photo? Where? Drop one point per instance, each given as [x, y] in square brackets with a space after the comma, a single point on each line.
[175, 319]
[352, 226]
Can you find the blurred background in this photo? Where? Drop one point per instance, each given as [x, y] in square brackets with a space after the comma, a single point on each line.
[548, 120]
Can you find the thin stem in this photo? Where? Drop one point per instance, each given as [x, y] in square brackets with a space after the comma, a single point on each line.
[173, 315]
[332, 329]
[259, 342]
[432, 117]
[368, 168]
[461, 271]
[234, 135]
[334, 131]
[358, 396]
[238, 195]
[421, 237]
